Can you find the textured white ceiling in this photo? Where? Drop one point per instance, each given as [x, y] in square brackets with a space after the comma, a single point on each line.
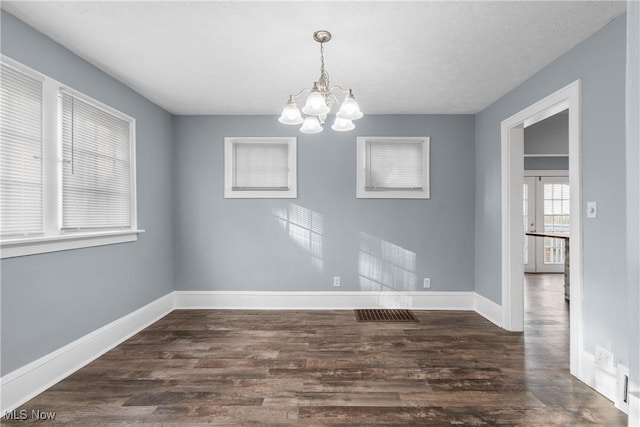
[240, 57]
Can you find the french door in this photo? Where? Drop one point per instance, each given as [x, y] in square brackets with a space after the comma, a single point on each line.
[545, 210]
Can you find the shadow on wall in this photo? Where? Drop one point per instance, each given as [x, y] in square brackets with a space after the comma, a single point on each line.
[304, 227]
[386, 267]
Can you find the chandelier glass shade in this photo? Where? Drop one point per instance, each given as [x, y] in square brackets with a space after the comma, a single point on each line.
[320, 100]
[311, 124]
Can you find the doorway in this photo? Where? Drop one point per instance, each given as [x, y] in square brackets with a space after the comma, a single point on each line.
[512, 179]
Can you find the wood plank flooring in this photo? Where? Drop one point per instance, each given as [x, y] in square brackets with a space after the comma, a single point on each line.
[325, 368]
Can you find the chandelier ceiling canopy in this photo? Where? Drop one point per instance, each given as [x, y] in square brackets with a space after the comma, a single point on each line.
[320, 100]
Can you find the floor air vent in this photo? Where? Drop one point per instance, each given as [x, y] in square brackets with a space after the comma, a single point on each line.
[385, 315]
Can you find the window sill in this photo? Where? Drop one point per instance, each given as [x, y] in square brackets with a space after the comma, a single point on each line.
[396, 194]
[289, 194]
[40, 245]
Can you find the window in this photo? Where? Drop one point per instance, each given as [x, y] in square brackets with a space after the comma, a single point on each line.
[21, 209]
[68, 167]
[260, 168]
[393, 168]
[96, 167]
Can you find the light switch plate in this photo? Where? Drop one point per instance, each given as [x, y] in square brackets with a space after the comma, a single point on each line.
[592, 210]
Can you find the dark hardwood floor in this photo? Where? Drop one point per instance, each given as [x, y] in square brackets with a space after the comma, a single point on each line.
[324, 367]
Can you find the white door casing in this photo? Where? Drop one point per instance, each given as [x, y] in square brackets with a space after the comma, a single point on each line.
[512, 165]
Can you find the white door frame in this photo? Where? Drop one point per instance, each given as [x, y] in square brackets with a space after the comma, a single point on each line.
[512, 164]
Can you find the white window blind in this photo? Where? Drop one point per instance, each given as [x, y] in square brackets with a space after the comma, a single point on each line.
[261, 166]
[96, 167]
[21, 196]
[396, 165]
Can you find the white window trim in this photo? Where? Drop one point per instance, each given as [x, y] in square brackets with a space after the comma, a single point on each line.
[54, 239]
[361, 177]
[132, 153]
[230, 193]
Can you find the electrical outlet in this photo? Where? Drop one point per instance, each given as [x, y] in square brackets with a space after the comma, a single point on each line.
[336, 281]
[426, 283]
[604, 358]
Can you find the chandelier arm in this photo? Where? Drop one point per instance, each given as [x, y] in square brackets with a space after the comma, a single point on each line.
[300, 93]
[339, 87]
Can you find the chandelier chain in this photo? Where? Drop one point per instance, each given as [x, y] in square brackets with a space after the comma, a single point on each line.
[324, 75]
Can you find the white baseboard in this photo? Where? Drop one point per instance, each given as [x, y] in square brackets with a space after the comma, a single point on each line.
[601, 380]
[323, 300]
[634, 409]
[24, 383]
[488, 309]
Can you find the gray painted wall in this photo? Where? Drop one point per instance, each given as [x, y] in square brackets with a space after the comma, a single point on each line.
[549, 136]
[633, 200]
[241, 245]
[600, 62]
[546, 163]
[50, 300]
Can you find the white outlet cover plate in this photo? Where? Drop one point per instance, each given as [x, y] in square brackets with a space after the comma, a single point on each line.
[603, 358]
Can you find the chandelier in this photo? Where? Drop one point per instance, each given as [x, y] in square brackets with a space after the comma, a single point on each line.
[320, 100]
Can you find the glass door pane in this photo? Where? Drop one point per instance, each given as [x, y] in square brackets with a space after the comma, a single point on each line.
[556, 220]
[552, 216]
